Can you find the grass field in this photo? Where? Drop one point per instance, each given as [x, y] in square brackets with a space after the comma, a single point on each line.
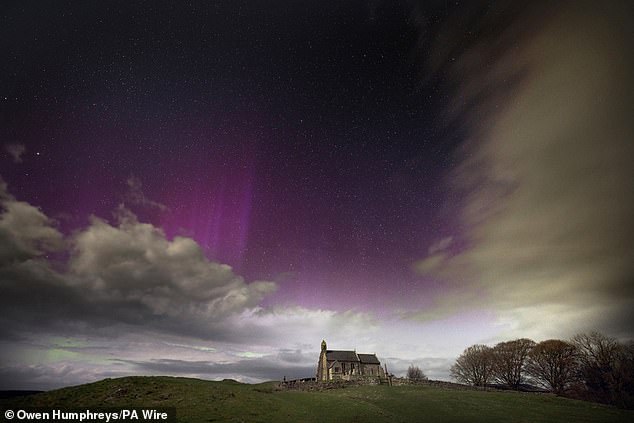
[229, 401]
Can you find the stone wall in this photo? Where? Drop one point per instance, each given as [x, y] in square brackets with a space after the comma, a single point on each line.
[316, 385]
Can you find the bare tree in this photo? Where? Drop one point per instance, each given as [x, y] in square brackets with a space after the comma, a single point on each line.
[509, 360]
[626, 370]
[414, 373]
[597, 358]
[596, 349]
[606, 367]
[474, 366]
[553, 364]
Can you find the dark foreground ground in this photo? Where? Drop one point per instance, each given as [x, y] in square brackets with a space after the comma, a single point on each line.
[228, 401]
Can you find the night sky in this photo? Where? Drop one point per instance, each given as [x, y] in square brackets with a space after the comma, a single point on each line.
[209, 189]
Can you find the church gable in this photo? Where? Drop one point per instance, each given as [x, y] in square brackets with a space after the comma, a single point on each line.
[347, 365]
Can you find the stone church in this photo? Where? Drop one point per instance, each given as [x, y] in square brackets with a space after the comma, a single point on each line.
[347, 365]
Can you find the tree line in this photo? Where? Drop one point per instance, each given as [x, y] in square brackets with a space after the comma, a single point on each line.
[589, 366]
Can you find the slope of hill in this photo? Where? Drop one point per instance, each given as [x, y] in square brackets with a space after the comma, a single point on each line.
[229, 401]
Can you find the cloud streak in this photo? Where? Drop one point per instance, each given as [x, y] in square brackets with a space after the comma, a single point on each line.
[15, 151]
[136, 196]
[546, 180]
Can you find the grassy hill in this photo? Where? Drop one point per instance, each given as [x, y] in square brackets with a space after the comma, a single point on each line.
[230, 401]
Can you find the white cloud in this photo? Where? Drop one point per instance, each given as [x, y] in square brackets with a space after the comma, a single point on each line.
[25, 231]
[135, 262]
[128, 273]
[548, 182]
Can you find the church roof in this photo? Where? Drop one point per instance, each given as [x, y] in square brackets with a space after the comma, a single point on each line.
[341, 355]
[369, 359]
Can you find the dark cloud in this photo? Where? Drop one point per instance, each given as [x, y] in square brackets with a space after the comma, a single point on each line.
[259, 369]
[293, 356]
[52, 376]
